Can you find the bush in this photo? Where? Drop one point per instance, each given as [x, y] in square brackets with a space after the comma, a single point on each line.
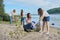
[6, 17]
[1, 18]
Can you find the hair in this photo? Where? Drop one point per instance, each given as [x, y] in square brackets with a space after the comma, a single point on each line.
[14, 10]
[28, 15]
[41, 11]
[21, 12]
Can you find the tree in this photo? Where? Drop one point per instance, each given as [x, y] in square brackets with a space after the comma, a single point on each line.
[54, 11]
[1, 8]
[4, 16]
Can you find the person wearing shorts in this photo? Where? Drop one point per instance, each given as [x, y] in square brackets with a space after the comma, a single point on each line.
[45, 18]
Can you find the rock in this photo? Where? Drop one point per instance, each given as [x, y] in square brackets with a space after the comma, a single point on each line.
[53, 24]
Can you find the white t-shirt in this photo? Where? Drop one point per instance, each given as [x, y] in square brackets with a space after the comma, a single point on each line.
[10, 14]
[14, 14]
[45, 14]
[29, 21]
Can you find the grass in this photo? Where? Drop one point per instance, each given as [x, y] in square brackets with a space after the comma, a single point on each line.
[6, 22]
[17, 33]
[58, 32]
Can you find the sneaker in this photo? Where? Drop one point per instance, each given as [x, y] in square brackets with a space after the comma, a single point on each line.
[47, 33]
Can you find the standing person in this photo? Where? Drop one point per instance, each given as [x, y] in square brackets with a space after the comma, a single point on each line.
[12, 16]
[22, 18]
[44, 16]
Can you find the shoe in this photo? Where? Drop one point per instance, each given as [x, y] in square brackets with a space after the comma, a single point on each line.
[47, 33]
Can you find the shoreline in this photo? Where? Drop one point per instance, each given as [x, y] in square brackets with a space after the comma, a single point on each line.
[56, 28]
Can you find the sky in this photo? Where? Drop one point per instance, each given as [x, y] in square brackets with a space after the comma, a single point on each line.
[30, 6]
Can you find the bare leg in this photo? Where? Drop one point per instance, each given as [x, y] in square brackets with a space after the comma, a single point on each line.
[43, 26]
[47, 25]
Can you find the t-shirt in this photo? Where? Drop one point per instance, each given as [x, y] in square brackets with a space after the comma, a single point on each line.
[26, 21]
[45, 14]
[10, 14]
[13, 13]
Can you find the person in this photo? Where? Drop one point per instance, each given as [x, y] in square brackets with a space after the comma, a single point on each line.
[22, 17]
[12, 16]
[45, 17]
[13, 13]
[28, 25]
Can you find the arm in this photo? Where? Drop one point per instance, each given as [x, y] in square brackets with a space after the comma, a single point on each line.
[40, 21]
[41, 18]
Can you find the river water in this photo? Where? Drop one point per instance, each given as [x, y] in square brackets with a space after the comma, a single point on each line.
[54, 19]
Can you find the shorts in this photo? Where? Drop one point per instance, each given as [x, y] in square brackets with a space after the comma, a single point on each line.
[46, 18]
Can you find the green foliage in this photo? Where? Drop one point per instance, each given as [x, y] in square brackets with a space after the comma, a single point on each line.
[1, 8]
[6, 17]
[3, 15]
[54, 11]
[1, 18]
